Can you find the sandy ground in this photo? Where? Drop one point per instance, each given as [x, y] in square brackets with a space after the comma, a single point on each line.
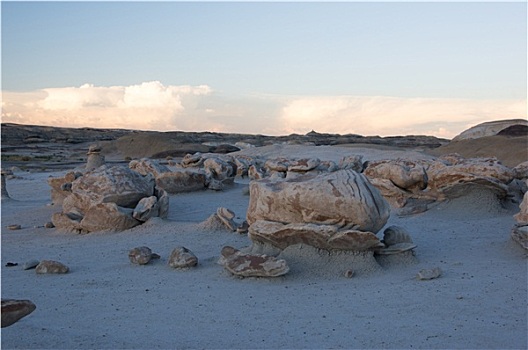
[105, 302]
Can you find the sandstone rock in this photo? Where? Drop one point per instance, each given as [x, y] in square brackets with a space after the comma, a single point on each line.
[242, 166]
[181, 181]
[163, 202]
[146, 208]
[405, 174]
[14, 227]
[319, 236]
[182, 257]
[146, 166]
[226, 216]
[278, 164]
[13, 310]
[255, 173]
[343, 198]
[219, 170]
[61, 186]
[451, 178]
[140, 255]
[303, 165]
[429, 274]
[522, 216]
[117, 184]
[95, 159]
[192, 160]
[521, 171]
[108, 217]
[67, 221]
[51, 266]
[520, 235]
[353, 162]
[246, 265]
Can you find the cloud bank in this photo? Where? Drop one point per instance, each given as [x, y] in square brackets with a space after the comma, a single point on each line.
[154, 106]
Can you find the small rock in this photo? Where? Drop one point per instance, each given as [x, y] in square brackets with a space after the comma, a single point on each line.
[13, 310]
[155, 256]
[140, 255]
[50, 266]
[227, 216]
[429, 274]
[49, 224]
[246, 265]
[243, 227]
[182, 257]
[14, 227]
[11, 264]
[31, 264]
[349, 273]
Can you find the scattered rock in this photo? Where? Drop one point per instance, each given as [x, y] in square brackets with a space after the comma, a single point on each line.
[51, 266]
[243, 227]
[140, 255]
[49, 224]
[182, 257]
[349, 273]
[429, 274]
[13, 310]
[246, 265]
[11, 264]
[31, 264]
[14, 227]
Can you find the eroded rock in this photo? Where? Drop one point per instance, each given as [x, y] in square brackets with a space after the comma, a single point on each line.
[140, 255]
[182, 257]
[247, 265]
[51, 267]
[13, 310]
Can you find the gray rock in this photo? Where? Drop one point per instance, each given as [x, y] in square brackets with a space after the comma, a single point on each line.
[31, 264]
[51, 267]
[146, 208]
[429, 274]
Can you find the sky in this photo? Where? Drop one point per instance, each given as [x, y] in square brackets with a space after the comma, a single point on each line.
[270, 68]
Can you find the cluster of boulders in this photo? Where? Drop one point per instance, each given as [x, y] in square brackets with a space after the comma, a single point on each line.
[107, 198]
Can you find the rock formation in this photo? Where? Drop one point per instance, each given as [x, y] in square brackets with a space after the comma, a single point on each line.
[488, 129]
[109, 198]
[95, 158]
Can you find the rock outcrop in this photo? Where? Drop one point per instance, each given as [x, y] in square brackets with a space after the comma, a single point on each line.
[488, 129]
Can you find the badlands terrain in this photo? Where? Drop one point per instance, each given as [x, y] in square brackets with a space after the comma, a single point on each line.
[457, 213]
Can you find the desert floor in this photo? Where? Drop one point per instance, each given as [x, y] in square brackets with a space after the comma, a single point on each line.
[480, 301]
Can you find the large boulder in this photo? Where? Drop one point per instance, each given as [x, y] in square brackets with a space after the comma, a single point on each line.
[452, 175]
[343, 198]
[116, 184]
[111, 199]
[186, 180]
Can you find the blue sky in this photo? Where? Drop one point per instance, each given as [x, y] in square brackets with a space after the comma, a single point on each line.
[270, 67]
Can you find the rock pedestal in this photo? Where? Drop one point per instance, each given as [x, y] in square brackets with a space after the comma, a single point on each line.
[95, 158]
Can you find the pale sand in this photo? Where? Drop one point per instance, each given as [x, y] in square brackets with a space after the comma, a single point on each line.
[106, 302]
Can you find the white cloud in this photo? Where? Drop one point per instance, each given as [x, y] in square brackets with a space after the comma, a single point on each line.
[385, 116]
[154, 106]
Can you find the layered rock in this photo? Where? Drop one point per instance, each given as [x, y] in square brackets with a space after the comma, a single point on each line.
[252, 265]
[110, 199]
[339, 210]
[180, 181]
[343, 198]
